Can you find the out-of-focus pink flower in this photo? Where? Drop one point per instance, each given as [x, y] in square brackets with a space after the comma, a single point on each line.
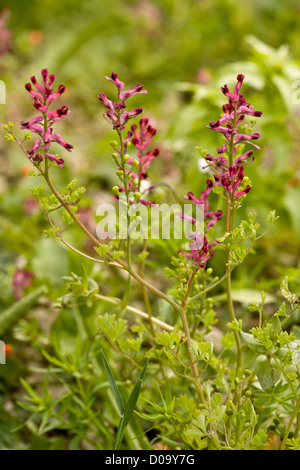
[21, 280]
[5, 33]
[30, 206]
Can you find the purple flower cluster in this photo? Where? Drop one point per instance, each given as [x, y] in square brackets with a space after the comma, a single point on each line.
[142, 137]
[200, 249]
[43, 96]
[139, 135]
[228, 167]
[116, 113]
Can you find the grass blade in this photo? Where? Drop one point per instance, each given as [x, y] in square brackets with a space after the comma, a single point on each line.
[129, 409]
[113, 385]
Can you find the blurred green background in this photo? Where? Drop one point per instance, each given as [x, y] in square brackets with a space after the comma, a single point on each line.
[182, 51]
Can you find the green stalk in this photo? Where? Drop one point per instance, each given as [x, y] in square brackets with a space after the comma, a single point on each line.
[290, 423]
[229, 227]
[187, 334]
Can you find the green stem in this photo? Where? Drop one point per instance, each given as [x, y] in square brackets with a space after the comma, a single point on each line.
[134, 310]
[212, 286]
[229, 227]
[187, 334]
[127, 194]
[290, 423]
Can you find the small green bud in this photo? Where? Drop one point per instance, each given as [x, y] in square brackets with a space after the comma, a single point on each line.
[114, 144]
[126, 157]
[135, 163]
[209, 271]
[119, 173]
[247, 372]
[229, 412]
[27, 135]
[135, 182]
[137, 195]
[115, 189]
[236, 381]
[248, 394]
[9, 137]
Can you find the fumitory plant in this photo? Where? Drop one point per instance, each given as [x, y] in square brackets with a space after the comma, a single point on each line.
[131, 378]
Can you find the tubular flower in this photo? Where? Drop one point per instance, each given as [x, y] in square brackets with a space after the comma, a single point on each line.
[43, 96]
[228, 166]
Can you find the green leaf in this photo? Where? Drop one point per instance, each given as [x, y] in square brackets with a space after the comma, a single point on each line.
[253, 343]
[112, 327]
[286, 293]
[266, 372]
